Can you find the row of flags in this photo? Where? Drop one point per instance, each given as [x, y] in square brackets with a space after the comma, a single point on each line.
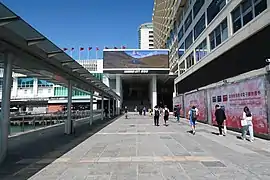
[81, 49]
[90, 48]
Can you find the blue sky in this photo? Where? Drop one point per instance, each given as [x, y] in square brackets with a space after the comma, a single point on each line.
[95, 23]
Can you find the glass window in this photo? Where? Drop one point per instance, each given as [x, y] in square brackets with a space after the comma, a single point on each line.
[212, 40]
[199, 27]
[236, 19]
[182, 65]
[188, 21]
[181, 50]
[180, 34]
[218, 36]
[201, 50]
[224, 30]
[190, 60]
[25, 82]
[189, 40]
[214, 8]
[260, 6]
[197, 6]
[247, 17]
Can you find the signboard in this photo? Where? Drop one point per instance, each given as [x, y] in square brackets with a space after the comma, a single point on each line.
[136, 71]
[234, 97]
[125, 59]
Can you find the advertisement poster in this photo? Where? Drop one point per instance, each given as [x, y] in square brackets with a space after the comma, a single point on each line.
[135, 58]
[197, 99]
[234, 97]
[178, 100]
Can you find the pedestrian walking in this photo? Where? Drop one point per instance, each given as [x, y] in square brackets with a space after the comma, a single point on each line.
[220, 118]
[193, 113]
[247, 124]
[166, 115]
[177, 113]
[156, 115]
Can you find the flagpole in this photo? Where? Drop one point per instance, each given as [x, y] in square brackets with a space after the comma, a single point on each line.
[88, 56]
[80, 54]
[71, 53]
[96, 53]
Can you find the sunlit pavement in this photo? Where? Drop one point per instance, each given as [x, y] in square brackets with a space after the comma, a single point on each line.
[135, 149]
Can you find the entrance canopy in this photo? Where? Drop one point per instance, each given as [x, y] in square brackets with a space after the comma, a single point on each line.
[36, 56]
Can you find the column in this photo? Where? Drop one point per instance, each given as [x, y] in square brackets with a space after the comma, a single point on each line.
[154, 91]
[14, 88]
[68, 123]
[91, 108]
[230, 27]
[35, 87]
[268, 3]
[109, 107]
[113, 107]
[5, 108]
[118, 91]
[102, 107]
[174, 90]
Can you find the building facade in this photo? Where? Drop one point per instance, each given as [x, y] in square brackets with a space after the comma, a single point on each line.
[146, 37]
[194, 29]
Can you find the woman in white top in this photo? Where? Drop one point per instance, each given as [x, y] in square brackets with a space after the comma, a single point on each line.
[247, 124]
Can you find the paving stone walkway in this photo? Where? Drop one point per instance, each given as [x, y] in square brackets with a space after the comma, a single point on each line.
[133, 148]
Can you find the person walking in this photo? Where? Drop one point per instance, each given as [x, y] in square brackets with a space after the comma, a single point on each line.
[220, 117]
[156, 115]
[247, 124]
[126, 112]
[177, 113]
[193, 113]
[166, 115]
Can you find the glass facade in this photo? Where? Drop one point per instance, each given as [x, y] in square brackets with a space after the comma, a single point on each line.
[219, 34]
[201, 50]
[25, 82]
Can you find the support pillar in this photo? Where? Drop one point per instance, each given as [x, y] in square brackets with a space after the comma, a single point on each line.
[118, 91]
[35, 87]
[154, 91]
[14, 88]
[174, 90]
[102, 107]
[113, 112]
[5, 105]
[68, 122]
[109, 107]
[91, 108]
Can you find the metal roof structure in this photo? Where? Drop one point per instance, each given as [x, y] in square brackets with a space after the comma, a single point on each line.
[36, 56]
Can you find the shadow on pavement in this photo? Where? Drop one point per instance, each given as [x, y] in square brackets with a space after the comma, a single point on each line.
[25, 161]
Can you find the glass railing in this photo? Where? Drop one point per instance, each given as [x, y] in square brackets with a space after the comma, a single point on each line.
[22, 122]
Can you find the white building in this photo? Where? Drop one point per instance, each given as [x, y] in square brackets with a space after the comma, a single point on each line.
[199, 31]
[146, 37]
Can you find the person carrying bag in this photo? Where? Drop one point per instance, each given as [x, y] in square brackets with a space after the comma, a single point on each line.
[247, 125]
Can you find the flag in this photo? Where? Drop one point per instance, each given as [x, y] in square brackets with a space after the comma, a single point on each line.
[106, 47]
[90, 48]
[81, 49]
[97, 48]
[65, 49]
[72, 49]
[115, 47]
[123, 47]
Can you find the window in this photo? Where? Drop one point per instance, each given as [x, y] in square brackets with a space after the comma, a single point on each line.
[214, 8]
[260, 6]
[181, 50]
[180, 34]
[190, 60]
[49, 91]
[25, 82]
[25, 91]
[197, 6]
[189, 40]
[1, 83]
[247, 11]
[218, 35]
[188, 21]
[236, 19]
[199, 27]
[201, 50]
[182, 67]
[43, 83]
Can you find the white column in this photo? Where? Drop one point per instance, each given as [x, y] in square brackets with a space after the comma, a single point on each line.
[174, 90]
[102, 107]
[35, 87]
[68, 122]
[230, 27]
[154, 91]
[268, 3]
[5, 107]
[118, 88]
[91, 108]
[109, 107]
[14, 88]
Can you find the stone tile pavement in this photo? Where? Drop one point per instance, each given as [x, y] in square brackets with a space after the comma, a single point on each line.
[135, 149]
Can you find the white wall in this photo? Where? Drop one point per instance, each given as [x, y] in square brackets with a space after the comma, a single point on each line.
[144, 35]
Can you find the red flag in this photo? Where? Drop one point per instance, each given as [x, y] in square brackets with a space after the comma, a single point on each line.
[115, 47]
[106, 47]
[81, 49]
[124, 47]
[72, 49]
[65, 49]
[97, 48]
[90, 48]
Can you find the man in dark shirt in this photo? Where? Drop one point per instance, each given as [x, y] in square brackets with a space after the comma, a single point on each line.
[220, 117]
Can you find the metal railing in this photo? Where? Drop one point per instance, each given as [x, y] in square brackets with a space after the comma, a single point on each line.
[24, 123]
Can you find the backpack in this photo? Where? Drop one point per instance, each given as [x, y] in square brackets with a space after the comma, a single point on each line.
[193, 114]
[166, 112]
[156, 112]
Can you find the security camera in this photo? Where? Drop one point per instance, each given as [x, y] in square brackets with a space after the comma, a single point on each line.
[267, 60]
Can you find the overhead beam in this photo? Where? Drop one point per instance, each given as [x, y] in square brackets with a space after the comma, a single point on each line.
[77, 69]
[64, 63]
[34, 41]
[7, 20]
[52, 54]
